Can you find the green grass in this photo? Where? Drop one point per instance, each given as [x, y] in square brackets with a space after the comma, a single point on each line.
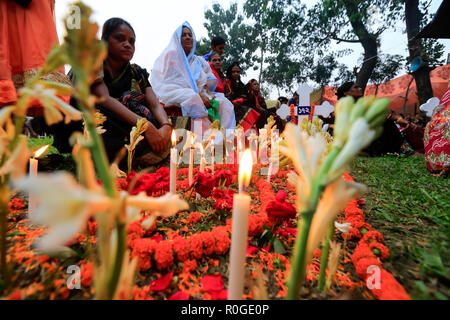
[412, 210]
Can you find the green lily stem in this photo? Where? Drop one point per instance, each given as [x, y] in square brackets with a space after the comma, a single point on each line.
[324, 257]
[298, 269]
[99, 157]
[130, 159]
[297, 275]
[118, 262]
[101, 163]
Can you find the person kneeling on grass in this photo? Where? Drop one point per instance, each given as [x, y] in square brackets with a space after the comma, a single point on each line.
[128, 96]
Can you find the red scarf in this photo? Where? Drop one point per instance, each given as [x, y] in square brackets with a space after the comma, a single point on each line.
[220, 88]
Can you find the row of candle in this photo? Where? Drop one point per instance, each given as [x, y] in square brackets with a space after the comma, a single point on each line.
[241, 210]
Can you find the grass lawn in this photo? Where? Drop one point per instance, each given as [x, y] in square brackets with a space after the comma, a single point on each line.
[411, 209]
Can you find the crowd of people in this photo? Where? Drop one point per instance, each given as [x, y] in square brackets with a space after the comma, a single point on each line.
[181, 85]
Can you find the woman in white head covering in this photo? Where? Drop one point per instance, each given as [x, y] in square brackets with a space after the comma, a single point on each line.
[180, 78]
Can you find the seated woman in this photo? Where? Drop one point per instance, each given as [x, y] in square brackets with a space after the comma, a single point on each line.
[256, 101]
[215, 62]
[236, 89]
[436, 139]
[182, 79]
[127, 96]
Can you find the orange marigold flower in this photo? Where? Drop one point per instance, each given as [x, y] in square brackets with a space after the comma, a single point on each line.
[181, 248]
[189, 265]
[196, 246]
[163, 255]
[208, 242]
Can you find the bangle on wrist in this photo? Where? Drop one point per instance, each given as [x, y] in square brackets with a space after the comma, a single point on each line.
[166, 124]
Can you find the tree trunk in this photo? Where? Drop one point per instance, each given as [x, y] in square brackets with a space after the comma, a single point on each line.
[368, 41]
[422, 76]
[406, 95]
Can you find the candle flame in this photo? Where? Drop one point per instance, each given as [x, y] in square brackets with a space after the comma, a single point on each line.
[245, 168]
[174, 138]
[40, 151]
[192, 140]
[201, 148]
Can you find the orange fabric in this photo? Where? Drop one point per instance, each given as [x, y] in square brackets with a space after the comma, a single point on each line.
[27, 35]
[396, 90]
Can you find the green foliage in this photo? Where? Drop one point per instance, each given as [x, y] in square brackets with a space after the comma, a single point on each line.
[432, 50]
[387, 68]
[239, 36]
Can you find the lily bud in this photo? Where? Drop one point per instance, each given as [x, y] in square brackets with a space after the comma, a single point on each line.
[343, 109]
[379, 107]
[360, 108]
[360, 136]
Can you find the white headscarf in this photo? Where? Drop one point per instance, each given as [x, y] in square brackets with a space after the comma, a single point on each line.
[177, 79]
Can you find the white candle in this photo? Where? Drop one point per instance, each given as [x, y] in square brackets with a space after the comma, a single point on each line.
[239, 232]
[202, 160]
[173, 164]
[212, 158]
[269, 174]
[32, 201]
[191, 162]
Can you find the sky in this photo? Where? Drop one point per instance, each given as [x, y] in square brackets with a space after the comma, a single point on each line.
[155, 21]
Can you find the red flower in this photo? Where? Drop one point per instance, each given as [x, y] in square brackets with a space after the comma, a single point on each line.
[383, 250]
[181, 248]
[164, 255]
[189, 265]
[208, 242]
[162, 283]
[212, 283]
[179, 295]
[196, 246]
[86, 274]
[223, 240]
[278, 209]
[16, 204]
[204, 183]
[223, 177]
[224, 199]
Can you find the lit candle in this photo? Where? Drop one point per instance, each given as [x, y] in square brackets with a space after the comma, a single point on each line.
[202, 159]
[212, 158]
[173, 164]
[191, 162]
[239, 232]
[253, 141]
[33, 173]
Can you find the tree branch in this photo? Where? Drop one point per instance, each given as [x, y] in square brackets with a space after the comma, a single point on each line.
[344, 40]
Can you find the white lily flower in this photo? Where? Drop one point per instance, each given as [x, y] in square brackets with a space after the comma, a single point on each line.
[164, 206]
[63, 205]
[360, 136]
[292, 178]
[53, 106]
[343, 227]
[306, 153]
[334, 199]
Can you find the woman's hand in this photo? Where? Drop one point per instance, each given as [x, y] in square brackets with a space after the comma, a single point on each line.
[166, 133]
[205, 100]
[155, 139]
